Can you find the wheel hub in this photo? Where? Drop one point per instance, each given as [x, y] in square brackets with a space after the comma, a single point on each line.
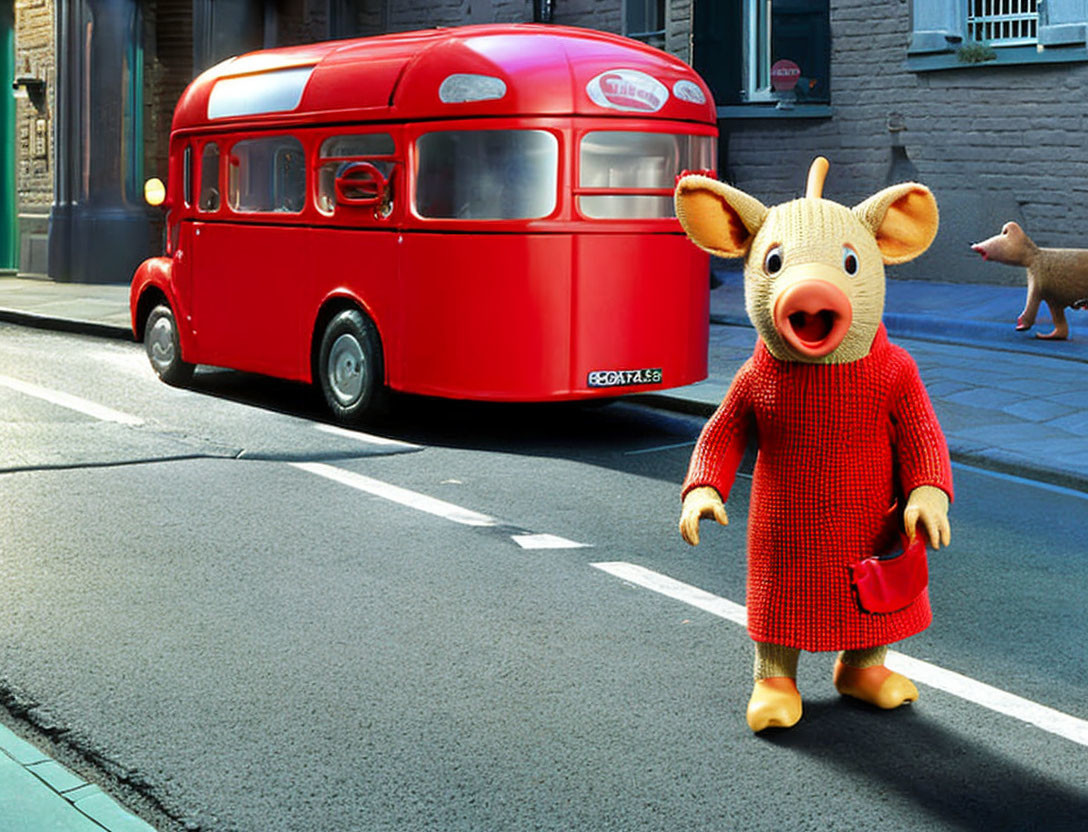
[346, 369]
[160, 343]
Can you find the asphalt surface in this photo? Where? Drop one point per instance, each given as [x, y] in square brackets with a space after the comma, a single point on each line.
[226, 641]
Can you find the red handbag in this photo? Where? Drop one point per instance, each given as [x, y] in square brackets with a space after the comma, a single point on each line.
[892, 582]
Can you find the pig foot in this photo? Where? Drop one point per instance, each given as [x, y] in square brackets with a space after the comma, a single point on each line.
[876, 685]
[775, 703]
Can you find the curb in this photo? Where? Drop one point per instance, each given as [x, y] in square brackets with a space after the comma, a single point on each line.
[98, 330]
[60, 799]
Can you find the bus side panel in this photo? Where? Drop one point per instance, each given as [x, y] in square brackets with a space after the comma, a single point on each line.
[359, 266]
[248, 282]
[641, 302]
[485, 316]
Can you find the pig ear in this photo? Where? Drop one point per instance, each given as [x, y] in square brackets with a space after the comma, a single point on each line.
[903, 218]
[717, 217]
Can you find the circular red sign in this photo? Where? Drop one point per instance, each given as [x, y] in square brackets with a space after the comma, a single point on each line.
[784, 75]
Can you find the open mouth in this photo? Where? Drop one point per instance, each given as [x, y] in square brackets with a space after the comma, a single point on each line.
[813, 328]
[813, 316]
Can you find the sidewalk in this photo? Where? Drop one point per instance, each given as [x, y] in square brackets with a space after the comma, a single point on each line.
[37, 794]
[1007, 401]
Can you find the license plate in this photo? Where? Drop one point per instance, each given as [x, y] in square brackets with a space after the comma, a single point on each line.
[624, 378]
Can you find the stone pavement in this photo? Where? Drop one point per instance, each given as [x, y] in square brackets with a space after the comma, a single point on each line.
[37, 794]
[1006, 401]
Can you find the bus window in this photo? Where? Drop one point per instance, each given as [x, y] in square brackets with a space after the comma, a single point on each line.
[338, 152]
[487, 174]
[209, 178]
[621, 160]
[260, 92]
[267, 175]
[187, 176]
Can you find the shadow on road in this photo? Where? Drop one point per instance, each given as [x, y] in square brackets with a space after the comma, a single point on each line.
[961, 782]
[615, 433]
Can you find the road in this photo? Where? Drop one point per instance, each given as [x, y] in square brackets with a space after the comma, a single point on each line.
[236, 618]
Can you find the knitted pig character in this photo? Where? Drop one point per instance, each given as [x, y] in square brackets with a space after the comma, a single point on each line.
[850, 451]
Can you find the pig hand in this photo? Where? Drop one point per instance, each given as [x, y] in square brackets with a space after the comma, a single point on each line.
[699, 503]
[929, 505]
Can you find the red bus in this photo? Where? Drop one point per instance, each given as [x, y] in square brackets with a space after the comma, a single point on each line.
[481, 212]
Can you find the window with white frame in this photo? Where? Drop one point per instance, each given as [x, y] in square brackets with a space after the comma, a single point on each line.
[1003, 22]
[1024, 30]
[786, 50]
[764, 51]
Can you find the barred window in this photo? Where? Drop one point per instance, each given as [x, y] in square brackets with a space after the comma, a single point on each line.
[1026, 30]
[1003, 22]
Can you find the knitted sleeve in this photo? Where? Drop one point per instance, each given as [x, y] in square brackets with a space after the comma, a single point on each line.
[720, 448]
[920, 444]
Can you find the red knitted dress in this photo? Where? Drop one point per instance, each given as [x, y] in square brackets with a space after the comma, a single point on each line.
[839, 444]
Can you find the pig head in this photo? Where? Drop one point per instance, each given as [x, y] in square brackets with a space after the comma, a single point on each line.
[814, 269]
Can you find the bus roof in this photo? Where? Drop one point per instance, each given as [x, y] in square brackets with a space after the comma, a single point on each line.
[485, 70]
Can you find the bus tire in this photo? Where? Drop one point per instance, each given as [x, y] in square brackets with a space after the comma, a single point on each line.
[349, 367]
[164, 348]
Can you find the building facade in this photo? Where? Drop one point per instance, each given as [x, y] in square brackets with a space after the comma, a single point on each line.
[96, 81]
[982, 100]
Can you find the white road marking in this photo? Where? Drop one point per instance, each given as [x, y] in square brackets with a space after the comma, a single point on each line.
[663, 584]
[87, 408]
[990, 697]
[387, 491]
[431, 505]
[979, 693]
[368, 438]
[546, 541]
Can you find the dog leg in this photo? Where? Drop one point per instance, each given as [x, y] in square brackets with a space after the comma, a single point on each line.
[1031, 307]
[1061, 328]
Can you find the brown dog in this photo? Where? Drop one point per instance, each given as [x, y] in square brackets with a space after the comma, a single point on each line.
[1057, 275]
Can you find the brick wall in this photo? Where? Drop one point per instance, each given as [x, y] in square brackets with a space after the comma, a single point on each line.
[34, 132]
[168, 69]
[678, 29]
[994, 143]
[405, 15]
[33, 122]
[303, 22]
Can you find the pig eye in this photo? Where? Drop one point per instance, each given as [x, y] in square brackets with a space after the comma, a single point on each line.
[772, 263]
[850, 263]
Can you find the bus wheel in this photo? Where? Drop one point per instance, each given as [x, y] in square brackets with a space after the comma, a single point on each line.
[163, 347]
[349, 367]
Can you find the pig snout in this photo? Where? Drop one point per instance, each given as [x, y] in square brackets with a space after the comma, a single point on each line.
[813, 316]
